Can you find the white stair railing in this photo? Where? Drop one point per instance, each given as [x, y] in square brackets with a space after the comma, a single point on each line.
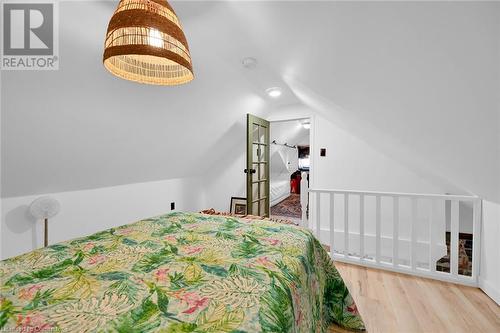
[402, 232]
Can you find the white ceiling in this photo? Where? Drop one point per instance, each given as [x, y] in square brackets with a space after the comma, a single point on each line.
[418, 80]
[290, 132]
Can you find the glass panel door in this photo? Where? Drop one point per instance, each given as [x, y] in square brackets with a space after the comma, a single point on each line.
[257, 166]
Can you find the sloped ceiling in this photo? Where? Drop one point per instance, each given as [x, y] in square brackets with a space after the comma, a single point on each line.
[289, 132]
[419, 81]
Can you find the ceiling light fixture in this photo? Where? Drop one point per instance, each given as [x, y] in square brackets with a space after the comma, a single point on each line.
[306, 125]
[145, 43]
[249, 62]
[274, 92]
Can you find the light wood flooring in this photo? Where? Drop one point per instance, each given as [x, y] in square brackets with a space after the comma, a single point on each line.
[392, 302]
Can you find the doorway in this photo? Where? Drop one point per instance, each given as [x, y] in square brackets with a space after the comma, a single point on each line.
[289, 158]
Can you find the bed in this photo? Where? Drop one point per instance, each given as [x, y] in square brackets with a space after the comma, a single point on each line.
[180, 272]
[279, 190]
[284, 161]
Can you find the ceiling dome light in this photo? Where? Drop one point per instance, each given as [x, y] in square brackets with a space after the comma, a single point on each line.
[249, 62]
[274, 92]
[145, 43]
[306, 123]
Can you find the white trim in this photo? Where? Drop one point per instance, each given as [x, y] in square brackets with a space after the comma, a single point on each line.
[441, 276]
[282, 120]
[490, 290]
[476, 238]
[312, 155]
[392, 194]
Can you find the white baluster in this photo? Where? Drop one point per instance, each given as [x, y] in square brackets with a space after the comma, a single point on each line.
[413, 244]
[304, 195]
[318, 215]
[454, 238]
[362, 226]
[476, 238]
[378, 238]
[346, 224]
[332, 223]
[395, 231]
[432, 263]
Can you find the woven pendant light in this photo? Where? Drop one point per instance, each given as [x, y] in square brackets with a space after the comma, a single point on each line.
[145, 43]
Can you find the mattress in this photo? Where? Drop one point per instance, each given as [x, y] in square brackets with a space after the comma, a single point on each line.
[279, 190]
[180, 272]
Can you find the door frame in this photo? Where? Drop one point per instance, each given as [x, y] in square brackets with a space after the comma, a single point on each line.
[312, 154]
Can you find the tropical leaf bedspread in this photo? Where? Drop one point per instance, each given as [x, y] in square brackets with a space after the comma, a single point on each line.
[180, 272]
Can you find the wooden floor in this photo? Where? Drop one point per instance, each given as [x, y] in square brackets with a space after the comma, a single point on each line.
[392, 302]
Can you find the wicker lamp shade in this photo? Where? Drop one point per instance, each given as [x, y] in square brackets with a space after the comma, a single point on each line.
[145, 43]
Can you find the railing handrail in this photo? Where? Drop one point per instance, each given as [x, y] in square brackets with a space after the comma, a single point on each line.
[398, 194]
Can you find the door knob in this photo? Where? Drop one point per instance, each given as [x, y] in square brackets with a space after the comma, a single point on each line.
[250, 171]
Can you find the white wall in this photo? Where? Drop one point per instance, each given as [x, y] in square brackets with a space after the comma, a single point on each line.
[81, 128]
[88, 211]
[227, 180]
[350, 162]
[291, 132]
[489, 278]
[421, 88]
[396, 66]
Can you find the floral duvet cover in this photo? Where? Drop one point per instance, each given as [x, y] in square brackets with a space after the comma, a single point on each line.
[180, 272]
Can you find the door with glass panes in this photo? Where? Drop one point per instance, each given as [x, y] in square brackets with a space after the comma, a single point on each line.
[257, 170]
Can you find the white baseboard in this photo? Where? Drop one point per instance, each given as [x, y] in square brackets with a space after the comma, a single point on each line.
[490, 290]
